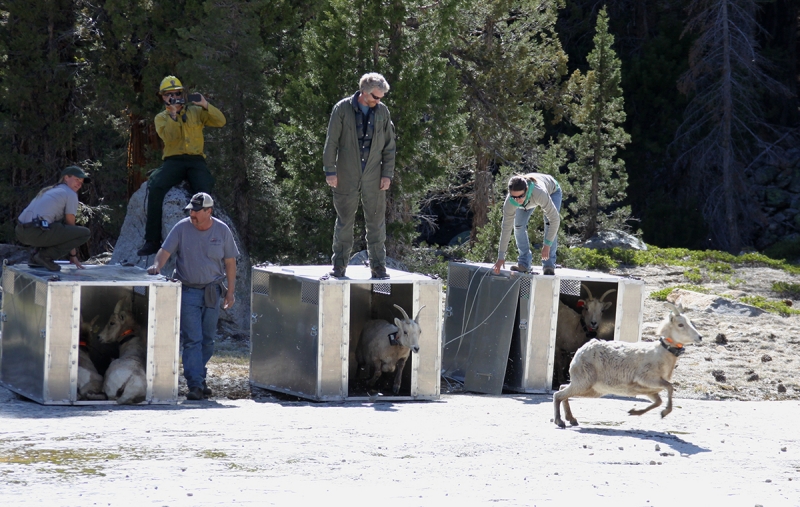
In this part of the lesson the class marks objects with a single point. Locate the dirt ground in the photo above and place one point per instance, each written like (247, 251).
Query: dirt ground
(731, 439)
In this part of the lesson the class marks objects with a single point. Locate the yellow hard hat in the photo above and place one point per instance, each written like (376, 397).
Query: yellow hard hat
(170, 83)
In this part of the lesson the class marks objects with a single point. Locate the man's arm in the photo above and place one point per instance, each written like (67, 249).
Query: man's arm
(159, 262)
(331, 150)
(211, 116)
(230, 274)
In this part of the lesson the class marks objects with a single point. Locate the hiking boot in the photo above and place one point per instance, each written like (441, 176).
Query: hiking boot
(195, 394)
(207, 390)
(149, 248)
(380, 273)
(39, 260)
(519, 269)
(338, 271)
(31, 262)
(548, 270)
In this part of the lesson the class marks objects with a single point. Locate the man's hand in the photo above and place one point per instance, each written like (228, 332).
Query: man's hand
(152, 270)
(174, 109)
(500, 264)
(545, 252)
(385, 183)
(202, 102)
(229, 300)
(332, 181)
(74, 259)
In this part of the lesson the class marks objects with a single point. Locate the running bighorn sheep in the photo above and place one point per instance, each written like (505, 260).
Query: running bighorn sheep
(574, 329)
(385, 347)
(628, 369)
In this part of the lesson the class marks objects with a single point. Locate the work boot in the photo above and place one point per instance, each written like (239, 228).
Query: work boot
(548, 270)
(149, 248)
(195, 394)
(39, 260)
(380, 273)
(338, 271)
(519, 269)
(207, 390)
(31, 262)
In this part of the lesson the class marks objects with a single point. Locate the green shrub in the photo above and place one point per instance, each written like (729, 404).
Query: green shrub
(661, 295)
(787, 290)
(778, 307)
(788, 249)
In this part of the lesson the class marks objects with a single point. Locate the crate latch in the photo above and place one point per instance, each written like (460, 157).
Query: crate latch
(523, 324)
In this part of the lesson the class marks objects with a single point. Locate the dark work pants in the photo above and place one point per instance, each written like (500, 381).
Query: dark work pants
(173, 171)
(56, 241)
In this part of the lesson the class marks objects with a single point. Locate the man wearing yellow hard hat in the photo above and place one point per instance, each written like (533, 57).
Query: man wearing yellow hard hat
(180, 127)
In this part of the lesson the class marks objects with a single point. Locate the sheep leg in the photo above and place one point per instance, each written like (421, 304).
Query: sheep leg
(376, 373)
(560, 397)
(656, 399)
(398, 375)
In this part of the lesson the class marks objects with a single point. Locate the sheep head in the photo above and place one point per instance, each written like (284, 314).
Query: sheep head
(678, 327)
(408, 330)
(119, 322)
(592, 309)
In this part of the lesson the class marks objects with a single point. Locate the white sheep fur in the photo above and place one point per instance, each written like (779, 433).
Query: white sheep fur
(628, 369)
(570, 333)
(125, 379)
(376, 355)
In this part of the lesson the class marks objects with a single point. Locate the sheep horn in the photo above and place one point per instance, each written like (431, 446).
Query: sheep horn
(606, 294)
(587, 290)
(416, 319)
(405, 315)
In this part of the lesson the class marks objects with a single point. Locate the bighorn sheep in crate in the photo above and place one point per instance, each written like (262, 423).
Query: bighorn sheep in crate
(125, 379)
(573, 329)
(385, 347)
(628, 369)
(90, 382)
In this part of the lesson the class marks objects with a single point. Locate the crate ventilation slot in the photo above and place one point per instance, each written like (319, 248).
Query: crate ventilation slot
(8, 281)
(309, 293)
(140, 289)
(571, 287)
(382, 288)
(260, 282)
(525, 288)
(41, 294)
(459, 278)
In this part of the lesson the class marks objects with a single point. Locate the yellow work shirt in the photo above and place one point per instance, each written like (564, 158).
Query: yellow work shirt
(185, 137)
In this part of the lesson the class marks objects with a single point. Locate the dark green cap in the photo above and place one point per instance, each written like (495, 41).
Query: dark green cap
(74, 170)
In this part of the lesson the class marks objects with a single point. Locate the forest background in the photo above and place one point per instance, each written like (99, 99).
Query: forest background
(677, 120)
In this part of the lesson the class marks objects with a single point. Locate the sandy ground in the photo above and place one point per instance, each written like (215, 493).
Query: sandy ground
(461, 450)
(722, 445)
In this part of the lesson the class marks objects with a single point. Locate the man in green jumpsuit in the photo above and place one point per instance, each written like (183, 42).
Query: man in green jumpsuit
(359, 162)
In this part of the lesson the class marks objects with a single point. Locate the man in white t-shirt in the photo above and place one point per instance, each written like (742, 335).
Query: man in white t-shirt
(205, 259)
(48, 223)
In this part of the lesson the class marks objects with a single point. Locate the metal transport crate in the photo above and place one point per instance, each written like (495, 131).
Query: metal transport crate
(41, 313)
(305, 327)
(500, 330)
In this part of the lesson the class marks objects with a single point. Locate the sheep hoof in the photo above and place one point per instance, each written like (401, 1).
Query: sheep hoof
(561, 424)
(573, 422)
(633, 411)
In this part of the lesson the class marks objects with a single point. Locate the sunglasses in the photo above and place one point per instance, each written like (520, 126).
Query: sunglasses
(376, 97)
(173, 94)
(517, 197)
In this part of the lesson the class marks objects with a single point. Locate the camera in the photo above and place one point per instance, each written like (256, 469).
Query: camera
(176, 100)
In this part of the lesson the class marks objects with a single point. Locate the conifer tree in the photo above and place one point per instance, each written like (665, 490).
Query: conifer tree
(723, 123)
(39, 107)
(597, 179)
